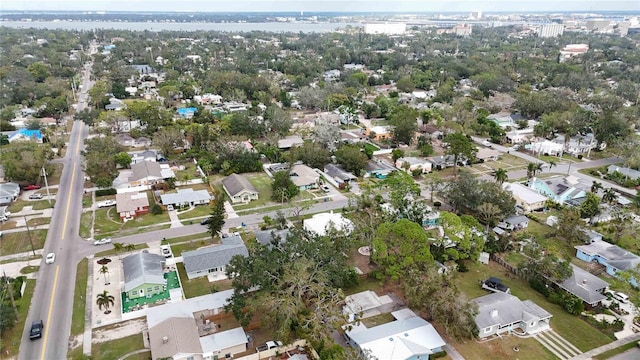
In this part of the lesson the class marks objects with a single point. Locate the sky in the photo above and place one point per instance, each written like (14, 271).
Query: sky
(324, 5)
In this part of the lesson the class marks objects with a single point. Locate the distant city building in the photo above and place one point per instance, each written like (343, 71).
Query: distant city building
(462, 30)
(476, 15)
(551, 30)
(387, 29)
(572, 50)
(598, 24)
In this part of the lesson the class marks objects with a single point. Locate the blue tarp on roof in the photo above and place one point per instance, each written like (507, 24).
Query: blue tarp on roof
(32, 134)
(185, 111)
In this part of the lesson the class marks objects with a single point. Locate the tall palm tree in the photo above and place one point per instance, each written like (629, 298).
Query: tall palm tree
(104, 271)
(104, 300)
(117, 246)
(531, 170)
(552, 163)
(609, 196)
(489, 213)
(595, 186)
(500, 175)
(538, 167)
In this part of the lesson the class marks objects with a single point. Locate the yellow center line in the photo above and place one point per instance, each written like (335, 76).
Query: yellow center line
(73, 177)
(46, 325)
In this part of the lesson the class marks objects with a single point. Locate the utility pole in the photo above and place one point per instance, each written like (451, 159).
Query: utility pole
(10, 288)
(46, 184)
(29, 234)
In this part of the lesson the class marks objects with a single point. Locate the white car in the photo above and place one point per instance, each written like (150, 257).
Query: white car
(269, 345)
(621, 297)
(487, 143)
(104, 241)
(166, 251)
(50, 259)
(106, 203)
(325, 188)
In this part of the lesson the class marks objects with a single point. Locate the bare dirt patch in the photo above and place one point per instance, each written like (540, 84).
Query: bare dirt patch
(119, 330)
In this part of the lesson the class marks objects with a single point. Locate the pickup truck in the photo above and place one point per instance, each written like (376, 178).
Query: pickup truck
(269, 345)
(106, 203)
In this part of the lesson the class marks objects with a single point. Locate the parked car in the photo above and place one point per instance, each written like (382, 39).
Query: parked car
(31, 187)
(621, 297)
(166, 251)
(50, 259)
(487, 143)
(106, 203)
(104, 241)
(494, 284)
(269, 345)
(36, 330)
(205, 221)
(325, 188)
(35, 196)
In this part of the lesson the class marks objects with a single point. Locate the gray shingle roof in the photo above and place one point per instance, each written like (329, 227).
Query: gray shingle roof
(146, 168)
(143, 268)
(234, 184)
(338, 172)
(504, 309)
(214, 256)
(185, 196)
(584, 285)
(265, 237)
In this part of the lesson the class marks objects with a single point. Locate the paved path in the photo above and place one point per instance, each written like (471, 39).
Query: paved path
(604, 348)
(175, 220)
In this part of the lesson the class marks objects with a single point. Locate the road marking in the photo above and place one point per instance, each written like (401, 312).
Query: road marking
(73, 177)
(46, 327)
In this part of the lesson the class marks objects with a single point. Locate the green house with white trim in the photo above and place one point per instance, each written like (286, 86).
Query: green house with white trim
(144, 275)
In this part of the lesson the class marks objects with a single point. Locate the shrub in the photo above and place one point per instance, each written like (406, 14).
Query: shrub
(539, 285)
(103, 192)
(439, 354)
(156, 209)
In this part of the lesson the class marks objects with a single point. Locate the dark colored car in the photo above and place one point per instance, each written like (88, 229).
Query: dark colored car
(36, 330)
(31, 187)
(493, 283)
(205, 221)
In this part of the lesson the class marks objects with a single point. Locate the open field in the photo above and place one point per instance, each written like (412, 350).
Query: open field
(18, 242)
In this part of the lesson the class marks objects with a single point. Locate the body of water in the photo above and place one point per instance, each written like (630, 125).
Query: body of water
(170, 26)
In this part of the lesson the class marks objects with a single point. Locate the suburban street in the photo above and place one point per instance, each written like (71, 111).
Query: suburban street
(52, 301)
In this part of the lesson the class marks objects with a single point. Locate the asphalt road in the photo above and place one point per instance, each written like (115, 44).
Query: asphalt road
(52, 301)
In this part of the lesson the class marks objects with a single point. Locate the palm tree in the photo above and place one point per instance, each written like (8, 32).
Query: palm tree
(104, 271)
(489, 213)
(129, 247)
(552, 163)
(531, 170)
(609, 196)
(537, 168)
(118, 247)
(500, 175)
(595, 186)
(104, 300)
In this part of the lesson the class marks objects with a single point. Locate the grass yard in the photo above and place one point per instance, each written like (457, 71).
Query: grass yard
(378, 320)
(502, 348)
(365, 283)
(140, 356)
(79, 302)
(512, 160)
(86, 221)
(11, 338)
(181, 239)
(368, 146)
(38, 221)
(14, 243)
(146, 220)
(107, 221)
(17, 205)
(572, 328)
(262, 183)
(115, 349)
(29, 269)
(616, 351)
(196, 212)
(193, 244)
(42, 204)
(199, 286)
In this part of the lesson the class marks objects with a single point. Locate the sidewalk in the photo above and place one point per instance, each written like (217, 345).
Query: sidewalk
(604, 348)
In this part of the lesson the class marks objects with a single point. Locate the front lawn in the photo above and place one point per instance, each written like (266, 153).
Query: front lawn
(11, 338)
(196, 212)
(79, 302)
(147, 220)
(42, 204)
(38, 221)
(572, 328)
(199, 286)
(262, 183)
(503, 348)
(115, 349)
(18, 242)
(107, 221)
(86, 221)
(193, 244)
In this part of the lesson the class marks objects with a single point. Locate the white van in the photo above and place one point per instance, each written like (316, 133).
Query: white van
(621, 297)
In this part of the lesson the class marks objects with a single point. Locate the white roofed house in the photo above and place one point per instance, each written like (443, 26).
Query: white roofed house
(485, 154)
(410, 164)
(130, 205)
(323, 223)
(149, 173)
(527, 199)
(186, 197)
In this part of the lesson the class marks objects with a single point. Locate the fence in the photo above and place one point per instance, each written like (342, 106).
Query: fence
(271, 354)
(517, 272)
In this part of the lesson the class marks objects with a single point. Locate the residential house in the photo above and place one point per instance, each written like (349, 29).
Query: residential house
(321, 224)
(142, 142)
(366, 304)
(130, 205)
(441, 162)
(500, 313)
(527, 200)
(352, 137)
(338, 174)
(411, 164)
(408, 337)
(212, 260)
(289, 142)
(546, 147)
(125, 140)
(149, 173)
(379, 168)
(332, 75)
(114, 105)
(430, 130)
(9, 192)
(147, 155)
(560, 189)
(514, 223)
(379, 133)
(186, 112)
(627, 172)
(186, 197)
(505, 118)
(586, 286)
(577, 144)
(304, 177)
(25, 135)
(143, 275)
(614, 258)
(239, 189)
(267, 237)
(183, 330)
(485, 154)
